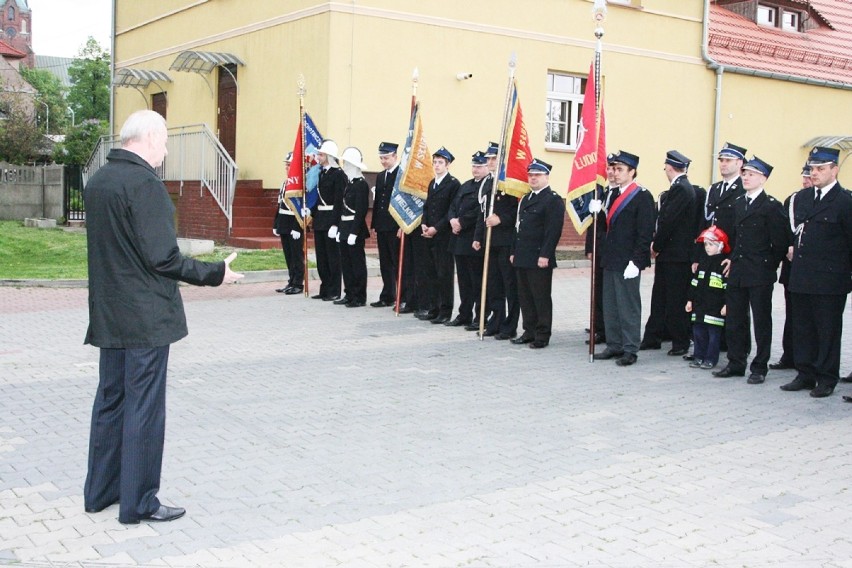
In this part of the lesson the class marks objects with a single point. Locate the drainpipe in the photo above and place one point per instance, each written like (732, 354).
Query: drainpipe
(112, 72)
(720, 70)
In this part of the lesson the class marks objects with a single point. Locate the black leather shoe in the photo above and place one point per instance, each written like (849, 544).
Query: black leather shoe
(846, 379)
(282, 290)
(380, 304)
(472, 326)
(539, 344)
(727, 372)
(781, 365)
(293, 290)
(504, 336)
(405, 309)
(689, 357)
(355, 304)
(822, 391)
(522, 340)
(608, 354)
(626, 360)
(457, 322)
(646, 345)
(798, 384)
(600, 338)
(441, 320)
(342, 301)
(162, 515)
(318, 297)
(99, 509)
(677, 352)
(426, 315)
(330, 298)
(756, 379)
(489, 333)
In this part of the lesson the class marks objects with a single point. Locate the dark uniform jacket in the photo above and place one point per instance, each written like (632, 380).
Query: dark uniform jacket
(382, 220)
(707, 292)
(540, 220)
(822, 253)
(600, 226)
(284, 222)
(720, 211)
(675, 235)
(466, 208)
(356, 200)
(332, 182)
(437, 206)
(134, 261)
(506, 208)
(629, 235)
(762, 238)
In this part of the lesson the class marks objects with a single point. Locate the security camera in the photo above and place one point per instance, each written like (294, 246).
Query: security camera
(463, 76)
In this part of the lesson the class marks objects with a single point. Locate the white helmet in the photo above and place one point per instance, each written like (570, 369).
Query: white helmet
(353, 156)
(328, 147)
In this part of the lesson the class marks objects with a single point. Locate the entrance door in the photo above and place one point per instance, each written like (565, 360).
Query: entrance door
(227, 123)
(158, 103)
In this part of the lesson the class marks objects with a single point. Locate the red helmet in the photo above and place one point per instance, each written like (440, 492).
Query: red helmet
(714, 233)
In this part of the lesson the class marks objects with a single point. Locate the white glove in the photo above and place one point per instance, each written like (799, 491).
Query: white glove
(337, 237)
(295, 235)
(306, 212)
(630, 271)
(595, 205)
(275, 232)
(332, 232)
(351, 240)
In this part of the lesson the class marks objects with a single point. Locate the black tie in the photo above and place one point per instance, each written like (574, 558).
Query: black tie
(818, 194)
(724, 189)
(748, 202)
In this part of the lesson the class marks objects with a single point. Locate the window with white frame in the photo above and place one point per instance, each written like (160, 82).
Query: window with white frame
(767, 15)
(563, 110)
(791, 20)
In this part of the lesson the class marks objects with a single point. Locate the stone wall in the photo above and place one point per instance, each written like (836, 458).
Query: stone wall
(30, 191)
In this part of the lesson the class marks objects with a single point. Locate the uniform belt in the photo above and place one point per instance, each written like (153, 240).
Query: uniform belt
(325, 207)
(285, 211)
(347, 217)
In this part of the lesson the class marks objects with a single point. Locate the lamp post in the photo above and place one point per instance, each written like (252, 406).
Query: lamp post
(73, 115)
(47, 116)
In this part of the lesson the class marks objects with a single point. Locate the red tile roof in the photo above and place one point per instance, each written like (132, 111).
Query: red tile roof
(821, 53)
(7, 50)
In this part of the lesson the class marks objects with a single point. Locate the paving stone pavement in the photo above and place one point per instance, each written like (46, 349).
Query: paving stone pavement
(305, 434)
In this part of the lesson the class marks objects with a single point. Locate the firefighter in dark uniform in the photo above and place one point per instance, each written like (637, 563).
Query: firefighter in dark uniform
(353, 230)
(385, 225)
(672, 248)
(541, 214)
(464, 209)
(762, 239)
(720, 198)
(436, 231)
(326, 216)
(820, 274)
(502, 293)
(599, 212)
(626, 252)
(287, 228)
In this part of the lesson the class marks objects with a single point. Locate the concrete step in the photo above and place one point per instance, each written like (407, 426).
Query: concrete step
(269, 242)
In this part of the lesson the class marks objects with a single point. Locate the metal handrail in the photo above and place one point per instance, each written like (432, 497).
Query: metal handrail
(194, 153)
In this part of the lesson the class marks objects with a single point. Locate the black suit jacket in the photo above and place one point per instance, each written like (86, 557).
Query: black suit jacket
(466, 208)
(822, 254)
(720, 211)
(332, 182)
(356, 200)
(629, 236)
(675, 235)
(540, 221)
(382, 220)
(762, 239)
(437, 206)
(506, 208)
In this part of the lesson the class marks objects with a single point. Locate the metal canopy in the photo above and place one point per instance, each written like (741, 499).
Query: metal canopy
(204, 62)
(139, 78)
(842, 142)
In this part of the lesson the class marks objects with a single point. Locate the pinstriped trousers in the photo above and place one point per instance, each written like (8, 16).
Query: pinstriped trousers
(127, 432)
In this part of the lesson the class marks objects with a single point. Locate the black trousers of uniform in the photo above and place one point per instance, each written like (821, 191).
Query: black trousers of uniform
(534, 295)
(787, 349)
(469, 269)
(353, 261)
(294, 257)
(410, 271)
(738, 300)
(818, 328)
(598, 313)
(128, 432)
(669, 294)
(422, 262)
(439, 272)
(502, 292)
(388, 245)
(328, 264)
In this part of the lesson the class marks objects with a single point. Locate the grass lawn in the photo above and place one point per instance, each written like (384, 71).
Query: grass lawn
(53, 254)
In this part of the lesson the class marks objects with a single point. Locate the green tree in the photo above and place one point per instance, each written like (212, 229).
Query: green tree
(89, 93)
(79, 142)
(21, 141)
(51, 92)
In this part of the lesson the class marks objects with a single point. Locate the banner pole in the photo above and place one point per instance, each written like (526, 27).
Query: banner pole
(306, 270)
(414, 78)
(599, 14)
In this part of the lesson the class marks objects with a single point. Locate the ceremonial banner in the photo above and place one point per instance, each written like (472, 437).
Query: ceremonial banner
(418, 172)
(517, 154)
(293, 189)
(588, 174)
(405, 208)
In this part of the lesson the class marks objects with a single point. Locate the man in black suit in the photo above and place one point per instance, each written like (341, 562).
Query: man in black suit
(626, 251)
(287, 228)
(385, 225)
(135, 314)
(353, 230)
(720, 198)
(820, 274)
(541, 214)
(599, 231)
(672, 248)
(464, 209)
(762, 239)
(326, 215)
(502, 306)
(436, 231)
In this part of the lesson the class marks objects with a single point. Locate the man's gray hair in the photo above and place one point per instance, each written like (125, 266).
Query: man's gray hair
(140, 124)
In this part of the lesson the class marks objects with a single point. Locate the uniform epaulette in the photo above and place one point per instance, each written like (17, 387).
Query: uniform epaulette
(771, 198)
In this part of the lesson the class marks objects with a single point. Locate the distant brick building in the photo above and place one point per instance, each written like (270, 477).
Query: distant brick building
(17, 28)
